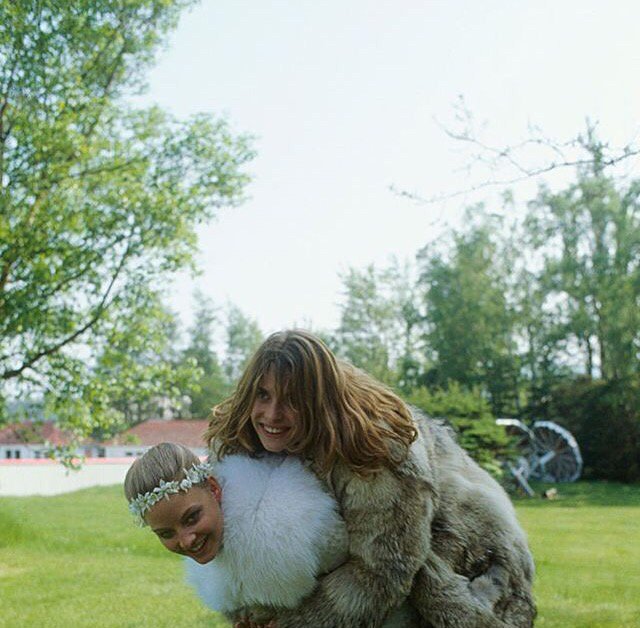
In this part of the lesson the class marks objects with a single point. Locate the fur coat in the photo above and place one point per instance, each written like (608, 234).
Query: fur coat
(436, 528)
(281, 530)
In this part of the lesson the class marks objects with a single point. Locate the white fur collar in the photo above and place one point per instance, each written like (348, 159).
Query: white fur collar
(277, 520)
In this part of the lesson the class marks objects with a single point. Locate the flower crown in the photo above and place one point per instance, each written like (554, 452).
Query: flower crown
(143, 502)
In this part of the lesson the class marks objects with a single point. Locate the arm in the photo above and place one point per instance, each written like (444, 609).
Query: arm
(387, 520)
(474, 530)
(445, 598)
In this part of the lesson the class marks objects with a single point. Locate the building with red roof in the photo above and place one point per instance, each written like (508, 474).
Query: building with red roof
(30, 439)
(137, 439)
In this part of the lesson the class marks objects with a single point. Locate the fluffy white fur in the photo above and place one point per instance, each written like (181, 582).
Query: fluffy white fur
(281, 530)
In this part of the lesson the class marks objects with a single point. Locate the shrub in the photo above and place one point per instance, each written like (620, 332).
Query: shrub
(469, 415)
(604, 417)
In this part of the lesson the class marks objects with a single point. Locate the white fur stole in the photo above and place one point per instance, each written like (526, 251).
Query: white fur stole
(277, 522)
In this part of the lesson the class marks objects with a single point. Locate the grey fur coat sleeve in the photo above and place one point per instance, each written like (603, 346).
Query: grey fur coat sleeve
(479, 572)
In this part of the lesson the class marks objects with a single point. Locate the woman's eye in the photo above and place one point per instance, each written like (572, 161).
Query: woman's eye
(165, 536)
(193, 517)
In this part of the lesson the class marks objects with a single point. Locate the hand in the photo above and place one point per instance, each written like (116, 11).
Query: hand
(490, 586)
(256, 617)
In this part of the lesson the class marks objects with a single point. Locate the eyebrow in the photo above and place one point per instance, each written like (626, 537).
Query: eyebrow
(189, 511)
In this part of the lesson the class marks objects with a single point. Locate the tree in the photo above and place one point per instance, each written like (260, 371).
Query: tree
(380, 324)
(211, 386)
(99, 202)
(501, 166)
(139, 374)
(410, 352)
(589, 235)
(470, 323)
(243, 338)
(540, 335)
(369, 334)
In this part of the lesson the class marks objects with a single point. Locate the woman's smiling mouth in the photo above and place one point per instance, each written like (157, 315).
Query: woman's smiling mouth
(273, 431)
(196, 549)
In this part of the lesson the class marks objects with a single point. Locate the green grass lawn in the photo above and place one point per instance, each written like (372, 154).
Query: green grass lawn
(586, 545)
(77, 560)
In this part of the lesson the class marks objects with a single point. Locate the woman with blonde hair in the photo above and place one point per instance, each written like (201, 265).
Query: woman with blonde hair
(423, 520)
(258, 531)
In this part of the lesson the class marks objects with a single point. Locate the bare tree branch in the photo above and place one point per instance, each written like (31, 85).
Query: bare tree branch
(514, 156)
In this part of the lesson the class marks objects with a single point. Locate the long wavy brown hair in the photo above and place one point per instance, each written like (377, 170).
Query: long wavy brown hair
(344, 414)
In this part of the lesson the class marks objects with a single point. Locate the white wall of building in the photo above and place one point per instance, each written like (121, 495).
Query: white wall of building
(46, 477)
(19, 451)
(124, 451)
(40, 450)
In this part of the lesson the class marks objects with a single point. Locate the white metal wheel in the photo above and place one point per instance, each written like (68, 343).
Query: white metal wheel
(557, 455)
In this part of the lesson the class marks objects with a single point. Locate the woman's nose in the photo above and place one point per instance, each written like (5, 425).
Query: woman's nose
(272, 411)
(186, 539)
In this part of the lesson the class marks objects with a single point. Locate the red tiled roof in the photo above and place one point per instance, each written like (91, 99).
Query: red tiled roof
(33, 433)
(188, 432)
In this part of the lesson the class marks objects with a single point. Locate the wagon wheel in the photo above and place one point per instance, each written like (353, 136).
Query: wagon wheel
(523, 436)
(520, 468)
(557, 455)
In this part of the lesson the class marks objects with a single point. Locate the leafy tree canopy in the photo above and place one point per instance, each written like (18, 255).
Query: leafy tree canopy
(378, 323)
(469, 321)
(99, 201)
(589, 236)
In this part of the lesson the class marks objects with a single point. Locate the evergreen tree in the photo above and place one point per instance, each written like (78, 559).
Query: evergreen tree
(243, 338)
(211, 386)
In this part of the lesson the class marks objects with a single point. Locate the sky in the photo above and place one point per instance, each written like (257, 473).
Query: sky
(348, 98)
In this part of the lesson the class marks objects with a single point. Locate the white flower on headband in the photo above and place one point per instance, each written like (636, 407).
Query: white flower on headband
(143, 502)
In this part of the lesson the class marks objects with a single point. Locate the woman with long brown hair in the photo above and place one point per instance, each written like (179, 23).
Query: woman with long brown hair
(424, 521)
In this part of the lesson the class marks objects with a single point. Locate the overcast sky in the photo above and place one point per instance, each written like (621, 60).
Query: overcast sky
(343, 98)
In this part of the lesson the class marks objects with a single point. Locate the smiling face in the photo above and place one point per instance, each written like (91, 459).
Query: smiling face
(190, 523)
(272, 418)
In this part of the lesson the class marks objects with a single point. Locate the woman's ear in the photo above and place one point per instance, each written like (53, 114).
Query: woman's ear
(216, 489)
